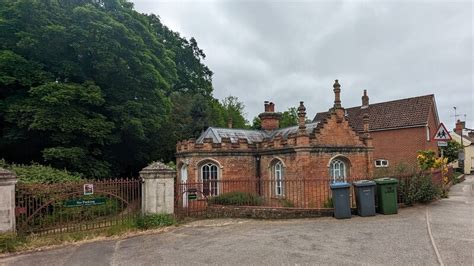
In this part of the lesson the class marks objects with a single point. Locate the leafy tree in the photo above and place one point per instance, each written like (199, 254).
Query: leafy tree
(233, 109)
(451, 151)
(256, 123)
(64, 114)
(289, 118)
(95, 87)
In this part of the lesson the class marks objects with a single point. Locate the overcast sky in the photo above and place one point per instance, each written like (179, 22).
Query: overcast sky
(287, 51)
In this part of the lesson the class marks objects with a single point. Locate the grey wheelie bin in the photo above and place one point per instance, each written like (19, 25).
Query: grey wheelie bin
(341, 200)
(365, 197)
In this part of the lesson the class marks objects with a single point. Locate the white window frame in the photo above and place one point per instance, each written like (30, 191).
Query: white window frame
(278, 178)
(210, 175)
(379, 163)
(338, 170)
(428, 134)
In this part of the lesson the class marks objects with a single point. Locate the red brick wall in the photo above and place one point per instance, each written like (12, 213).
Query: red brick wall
(230, 167)
(401, 145)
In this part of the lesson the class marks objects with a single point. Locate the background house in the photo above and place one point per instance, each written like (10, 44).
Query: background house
(468, 144)
(398, 128)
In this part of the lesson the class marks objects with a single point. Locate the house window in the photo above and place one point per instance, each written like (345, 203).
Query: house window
(381, 163)
(209, 177)
(338, 171)
(278, 178)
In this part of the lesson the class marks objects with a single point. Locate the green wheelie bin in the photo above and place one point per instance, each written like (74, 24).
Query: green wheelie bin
(387, 195)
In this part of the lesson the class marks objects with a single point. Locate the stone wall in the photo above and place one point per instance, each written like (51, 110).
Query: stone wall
(219, 211)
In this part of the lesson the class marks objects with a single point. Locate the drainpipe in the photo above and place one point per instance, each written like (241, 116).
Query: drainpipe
(258, 174)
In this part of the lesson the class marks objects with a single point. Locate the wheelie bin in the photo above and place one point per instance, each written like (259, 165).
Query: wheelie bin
(341, 200)
(365, 197)
(387, 195)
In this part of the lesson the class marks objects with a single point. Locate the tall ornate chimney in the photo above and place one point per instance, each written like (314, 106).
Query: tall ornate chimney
(302, 117)
(365, 100)
(337, 94)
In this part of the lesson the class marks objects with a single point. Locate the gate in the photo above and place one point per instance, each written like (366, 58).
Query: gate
(76, 206)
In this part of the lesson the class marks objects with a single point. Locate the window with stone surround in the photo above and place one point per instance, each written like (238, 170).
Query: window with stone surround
(278, 178)
(209, 178)
(338, 170)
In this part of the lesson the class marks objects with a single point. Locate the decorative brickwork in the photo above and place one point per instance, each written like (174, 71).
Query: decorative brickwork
(305, 150)
(397, 129)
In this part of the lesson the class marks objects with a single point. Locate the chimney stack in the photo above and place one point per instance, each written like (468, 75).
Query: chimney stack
(270, 119)
(229, 122)
(460, 125)
(365, 100)
(337, 94)
(302, 117)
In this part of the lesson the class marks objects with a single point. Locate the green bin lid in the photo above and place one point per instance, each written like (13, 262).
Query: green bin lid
(364, 183)
(386, 180)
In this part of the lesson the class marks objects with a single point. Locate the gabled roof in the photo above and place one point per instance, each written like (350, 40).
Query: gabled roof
(403, 113)
(252, 136)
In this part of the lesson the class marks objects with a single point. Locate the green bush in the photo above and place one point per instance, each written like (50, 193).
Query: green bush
(36, 173)
(419, 189)
(10, 241)
(237, 198)
(149, 221)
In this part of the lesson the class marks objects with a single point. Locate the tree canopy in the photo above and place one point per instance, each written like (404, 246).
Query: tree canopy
(96, 88)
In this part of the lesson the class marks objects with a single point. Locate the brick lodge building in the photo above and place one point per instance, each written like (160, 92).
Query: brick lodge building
(280, 163)
(298, 162)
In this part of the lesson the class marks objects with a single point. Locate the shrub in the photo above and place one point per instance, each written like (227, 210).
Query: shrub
(419, 189)
(10, 241)
(148, 221)
(237, 198)
(36, 173)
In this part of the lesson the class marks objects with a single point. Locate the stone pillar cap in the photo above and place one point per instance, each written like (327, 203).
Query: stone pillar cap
(157, 167)
(6, 175)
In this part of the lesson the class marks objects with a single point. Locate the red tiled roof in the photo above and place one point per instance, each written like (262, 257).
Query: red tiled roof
(410, 112)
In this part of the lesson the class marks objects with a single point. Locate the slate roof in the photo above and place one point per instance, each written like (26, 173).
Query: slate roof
(403, 113)
(252, 136)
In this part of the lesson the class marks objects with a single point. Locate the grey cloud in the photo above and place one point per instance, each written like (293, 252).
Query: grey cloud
(287, 51)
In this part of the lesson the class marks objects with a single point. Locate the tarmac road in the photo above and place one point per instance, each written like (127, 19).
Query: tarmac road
(392, 239)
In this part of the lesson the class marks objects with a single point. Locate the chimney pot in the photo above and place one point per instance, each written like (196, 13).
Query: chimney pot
(460, 125)
(365, 100)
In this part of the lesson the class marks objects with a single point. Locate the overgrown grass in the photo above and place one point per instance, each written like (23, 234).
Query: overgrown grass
(237, 198)
(155, 220)
(12, 242)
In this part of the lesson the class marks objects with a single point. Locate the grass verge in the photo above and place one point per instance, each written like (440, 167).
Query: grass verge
(12, 242)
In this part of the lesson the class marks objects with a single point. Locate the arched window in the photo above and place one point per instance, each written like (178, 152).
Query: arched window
(338, 170)
(184, 173)
(209, 177)
(278, 178)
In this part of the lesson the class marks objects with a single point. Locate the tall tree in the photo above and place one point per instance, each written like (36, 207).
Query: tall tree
(94, 86)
